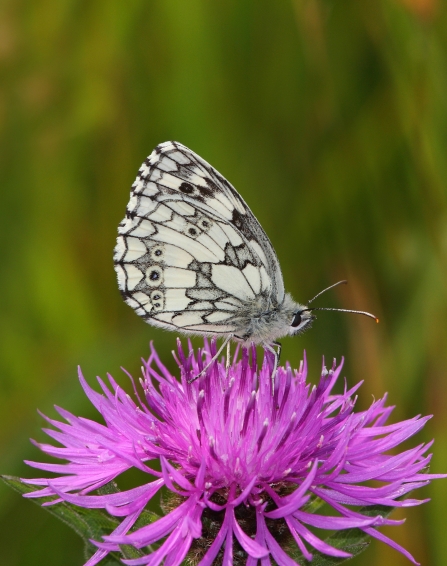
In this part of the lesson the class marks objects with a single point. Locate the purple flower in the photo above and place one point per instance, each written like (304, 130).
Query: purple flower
(243, 465)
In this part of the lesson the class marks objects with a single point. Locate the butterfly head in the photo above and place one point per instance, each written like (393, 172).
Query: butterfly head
(302, 320)
(303, 317)
(300, 317)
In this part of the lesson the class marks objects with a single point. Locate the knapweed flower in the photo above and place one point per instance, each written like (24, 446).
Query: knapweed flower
(242, 460)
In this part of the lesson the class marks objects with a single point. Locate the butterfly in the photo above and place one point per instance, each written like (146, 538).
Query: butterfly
(191, 257)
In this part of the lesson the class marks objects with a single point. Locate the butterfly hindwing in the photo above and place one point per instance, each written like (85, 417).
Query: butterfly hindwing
(190, 254)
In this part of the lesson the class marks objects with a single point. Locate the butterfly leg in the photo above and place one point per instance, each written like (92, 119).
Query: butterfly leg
(227, 366)
(213, 359)
(279, 348)
(277, 354)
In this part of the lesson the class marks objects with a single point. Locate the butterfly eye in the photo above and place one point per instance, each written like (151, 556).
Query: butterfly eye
(296, 320)
(204, 224)
(157, 253)
(157, 300)
(154, 276)
(192, 230)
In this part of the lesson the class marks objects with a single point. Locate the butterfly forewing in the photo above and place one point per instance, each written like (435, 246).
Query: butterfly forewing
(190, 254)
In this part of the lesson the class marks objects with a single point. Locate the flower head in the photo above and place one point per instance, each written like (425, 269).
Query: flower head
(241, 462)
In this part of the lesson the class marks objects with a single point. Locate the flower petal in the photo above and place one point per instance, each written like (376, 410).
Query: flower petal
(155, 531)
(251, 547)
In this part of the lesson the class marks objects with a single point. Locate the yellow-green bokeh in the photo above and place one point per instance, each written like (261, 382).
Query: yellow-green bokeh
(329, 117)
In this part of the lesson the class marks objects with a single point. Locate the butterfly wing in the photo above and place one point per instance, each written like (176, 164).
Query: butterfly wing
(190, 254)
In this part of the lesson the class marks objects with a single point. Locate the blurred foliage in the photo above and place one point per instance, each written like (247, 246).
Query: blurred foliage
(329, 117)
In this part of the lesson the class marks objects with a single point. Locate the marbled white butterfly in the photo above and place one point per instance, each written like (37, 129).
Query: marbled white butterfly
(192, 257)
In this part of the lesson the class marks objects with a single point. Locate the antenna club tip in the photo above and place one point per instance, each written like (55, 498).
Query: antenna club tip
(377, 320)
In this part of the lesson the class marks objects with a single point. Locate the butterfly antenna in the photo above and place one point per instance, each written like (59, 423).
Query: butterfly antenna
(344, 282)
(343, 310)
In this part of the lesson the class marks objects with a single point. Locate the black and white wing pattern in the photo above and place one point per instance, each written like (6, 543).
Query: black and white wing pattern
(190, 254)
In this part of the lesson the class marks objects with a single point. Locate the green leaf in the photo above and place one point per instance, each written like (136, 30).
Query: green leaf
(313, 504)
(95, 523)
(88, 523)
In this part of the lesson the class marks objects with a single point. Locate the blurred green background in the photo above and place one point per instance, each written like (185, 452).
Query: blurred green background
(329, 117)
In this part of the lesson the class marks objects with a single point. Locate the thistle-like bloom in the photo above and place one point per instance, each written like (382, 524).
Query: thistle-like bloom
(243, 465)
